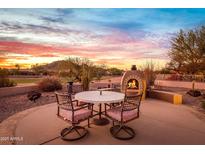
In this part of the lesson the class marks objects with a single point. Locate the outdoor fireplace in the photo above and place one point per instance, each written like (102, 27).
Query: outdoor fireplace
(131, 81)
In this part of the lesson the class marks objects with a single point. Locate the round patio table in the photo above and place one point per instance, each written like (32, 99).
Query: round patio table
(99, 97)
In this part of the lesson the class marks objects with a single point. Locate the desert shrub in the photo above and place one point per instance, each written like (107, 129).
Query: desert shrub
(115, 71)
(149, 73)
(50, 84)
(4, 80)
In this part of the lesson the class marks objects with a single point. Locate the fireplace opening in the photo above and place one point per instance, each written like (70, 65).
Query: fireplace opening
(132, 84)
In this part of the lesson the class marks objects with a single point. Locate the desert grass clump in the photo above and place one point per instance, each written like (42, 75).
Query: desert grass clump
(49, 84)
(4, 80)
(149, 73)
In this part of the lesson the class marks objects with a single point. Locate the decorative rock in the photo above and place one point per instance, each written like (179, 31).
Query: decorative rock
(194, 93)
(33, 95)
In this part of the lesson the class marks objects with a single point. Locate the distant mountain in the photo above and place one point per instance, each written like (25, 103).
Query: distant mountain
(53, 66)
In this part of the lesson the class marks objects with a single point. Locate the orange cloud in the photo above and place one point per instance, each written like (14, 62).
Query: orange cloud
(107, 52)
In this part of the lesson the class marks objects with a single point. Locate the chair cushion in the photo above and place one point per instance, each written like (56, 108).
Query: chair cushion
(115, 113)
(81, 114)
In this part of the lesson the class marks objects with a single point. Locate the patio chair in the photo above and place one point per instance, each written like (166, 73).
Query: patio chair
(123, 113)
(68, 110)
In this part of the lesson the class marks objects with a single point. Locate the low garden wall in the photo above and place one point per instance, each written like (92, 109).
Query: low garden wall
(166, 96)
(180, 77)
(179, 84)
(10, 91)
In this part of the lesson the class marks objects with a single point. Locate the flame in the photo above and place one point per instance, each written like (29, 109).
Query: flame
(132, 84)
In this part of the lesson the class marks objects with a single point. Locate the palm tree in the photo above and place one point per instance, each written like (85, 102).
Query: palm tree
(17, 66)
(17, 69)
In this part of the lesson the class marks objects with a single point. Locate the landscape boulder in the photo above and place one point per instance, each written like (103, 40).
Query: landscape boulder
(33, 95)
(194, 93)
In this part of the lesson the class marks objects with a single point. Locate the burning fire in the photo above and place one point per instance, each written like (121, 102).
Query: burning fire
(132, 84)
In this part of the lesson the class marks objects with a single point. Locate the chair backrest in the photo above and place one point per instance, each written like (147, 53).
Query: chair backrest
(132, 102)
(64, 100)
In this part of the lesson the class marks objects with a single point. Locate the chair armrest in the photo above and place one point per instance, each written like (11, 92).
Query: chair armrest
(65, 102)
(74, 100)
(111, 104)
(84, 106)
(62, 106)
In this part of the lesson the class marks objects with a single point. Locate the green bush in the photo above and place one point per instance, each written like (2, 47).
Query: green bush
(50, 84)
(4, 80)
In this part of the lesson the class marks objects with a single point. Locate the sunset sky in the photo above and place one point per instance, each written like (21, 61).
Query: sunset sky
(115, 37)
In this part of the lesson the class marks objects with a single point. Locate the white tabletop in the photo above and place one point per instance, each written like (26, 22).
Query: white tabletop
(96, 98)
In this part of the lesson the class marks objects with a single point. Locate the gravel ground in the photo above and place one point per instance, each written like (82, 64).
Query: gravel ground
(13, 104)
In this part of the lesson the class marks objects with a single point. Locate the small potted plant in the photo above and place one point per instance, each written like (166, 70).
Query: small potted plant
(109, 83)
(70, 81)
(194, 92)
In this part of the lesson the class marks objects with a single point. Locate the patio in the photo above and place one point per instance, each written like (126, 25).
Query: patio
(159, 123)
